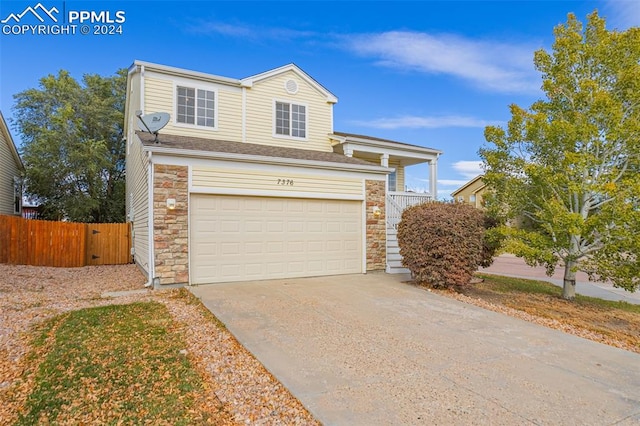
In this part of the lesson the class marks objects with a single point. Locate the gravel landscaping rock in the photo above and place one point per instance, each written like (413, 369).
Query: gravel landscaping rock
(30, 295)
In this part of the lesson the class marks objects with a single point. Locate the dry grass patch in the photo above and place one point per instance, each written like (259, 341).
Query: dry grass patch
(120, 364)
(217, 375)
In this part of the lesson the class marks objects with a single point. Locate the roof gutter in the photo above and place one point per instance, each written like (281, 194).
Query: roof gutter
(186, 73)
(244, 158)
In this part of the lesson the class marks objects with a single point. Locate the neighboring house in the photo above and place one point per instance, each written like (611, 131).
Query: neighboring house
(11, 173)
(30, 211)
(471, 192)
(250, 181)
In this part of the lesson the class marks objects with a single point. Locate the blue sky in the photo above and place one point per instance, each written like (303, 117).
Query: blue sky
(427, 73)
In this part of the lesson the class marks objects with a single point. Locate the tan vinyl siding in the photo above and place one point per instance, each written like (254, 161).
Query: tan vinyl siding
(159, 96)
(8, 170)
(400, 177)
(260, 113)
(137, 198)
(284, 182)
(475, 189)
(133, 104)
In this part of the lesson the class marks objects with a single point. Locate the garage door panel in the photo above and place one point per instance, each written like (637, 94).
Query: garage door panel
(295, 246)
(275, 226)
(229, 205)
(240, 238)
(253, 248)
(293, 226)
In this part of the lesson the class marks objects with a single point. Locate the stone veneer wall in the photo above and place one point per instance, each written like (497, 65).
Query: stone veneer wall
(376, 226)
(171, 227)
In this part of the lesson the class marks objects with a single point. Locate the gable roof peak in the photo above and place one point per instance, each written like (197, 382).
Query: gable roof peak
(249, 81)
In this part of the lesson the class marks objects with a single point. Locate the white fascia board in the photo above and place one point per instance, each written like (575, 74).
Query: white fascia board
(133, 68)
(385, 144)
(164, 69)
(249, 81)
(336, 140)
(391, 151)
(192, 162)
(244, 158)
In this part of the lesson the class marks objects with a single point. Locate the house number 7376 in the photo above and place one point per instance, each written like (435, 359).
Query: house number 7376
(288, 182)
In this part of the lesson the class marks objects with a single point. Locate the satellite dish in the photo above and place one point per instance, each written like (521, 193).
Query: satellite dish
(153, 122)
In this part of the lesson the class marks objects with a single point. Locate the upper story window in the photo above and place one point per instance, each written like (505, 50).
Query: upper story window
(195, 106)
(291, 120)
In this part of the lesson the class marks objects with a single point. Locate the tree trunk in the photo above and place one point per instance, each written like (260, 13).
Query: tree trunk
(569, 287)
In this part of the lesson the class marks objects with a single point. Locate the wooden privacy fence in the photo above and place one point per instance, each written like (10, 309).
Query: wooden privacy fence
(65, 244)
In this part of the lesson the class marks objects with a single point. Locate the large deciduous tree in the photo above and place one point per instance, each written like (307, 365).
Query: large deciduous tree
(73, 148)
(567, 170)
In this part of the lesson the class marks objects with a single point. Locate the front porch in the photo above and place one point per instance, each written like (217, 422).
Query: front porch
(396, 203)
(397, 156)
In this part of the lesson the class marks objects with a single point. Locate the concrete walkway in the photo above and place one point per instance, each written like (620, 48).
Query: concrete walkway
(371, 350)
(511, 266)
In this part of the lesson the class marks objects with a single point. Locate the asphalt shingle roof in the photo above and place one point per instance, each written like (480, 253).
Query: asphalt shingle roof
(216, 145)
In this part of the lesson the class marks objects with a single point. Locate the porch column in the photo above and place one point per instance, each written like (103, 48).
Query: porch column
(433, 178)
(384, 160)
(347, 150)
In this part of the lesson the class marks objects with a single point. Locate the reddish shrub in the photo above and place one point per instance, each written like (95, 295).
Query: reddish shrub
(442, 244)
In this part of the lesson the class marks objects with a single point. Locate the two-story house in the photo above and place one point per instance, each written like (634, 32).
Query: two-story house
(471, 192)
(11, 173)
(249, 180)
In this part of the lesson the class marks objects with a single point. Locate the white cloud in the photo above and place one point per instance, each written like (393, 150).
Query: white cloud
(255, 33)
(622, 14)
(468, 169)
(213, 27)
(490, 65)
(415, 122)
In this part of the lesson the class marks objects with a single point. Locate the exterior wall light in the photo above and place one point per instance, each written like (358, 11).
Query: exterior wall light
(171, 203)
(376, 211)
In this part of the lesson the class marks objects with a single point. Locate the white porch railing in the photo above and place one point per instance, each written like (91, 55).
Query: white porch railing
(397, 202)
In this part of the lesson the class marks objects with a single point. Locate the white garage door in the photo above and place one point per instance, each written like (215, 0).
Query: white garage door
(250, 238)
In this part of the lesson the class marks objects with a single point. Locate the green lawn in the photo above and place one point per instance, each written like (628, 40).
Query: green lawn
(506, 285)
(118, 364)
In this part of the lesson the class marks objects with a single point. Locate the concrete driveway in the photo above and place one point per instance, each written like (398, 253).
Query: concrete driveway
(371, 350)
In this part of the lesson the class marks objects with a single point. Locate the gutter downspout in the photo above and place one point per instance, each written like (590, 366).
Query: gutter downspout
(150, 197)
(244, 114)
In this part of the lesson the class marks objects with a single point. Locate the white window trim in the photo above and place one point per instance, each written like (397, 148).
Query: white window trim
(306, 118)
(190, 85)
